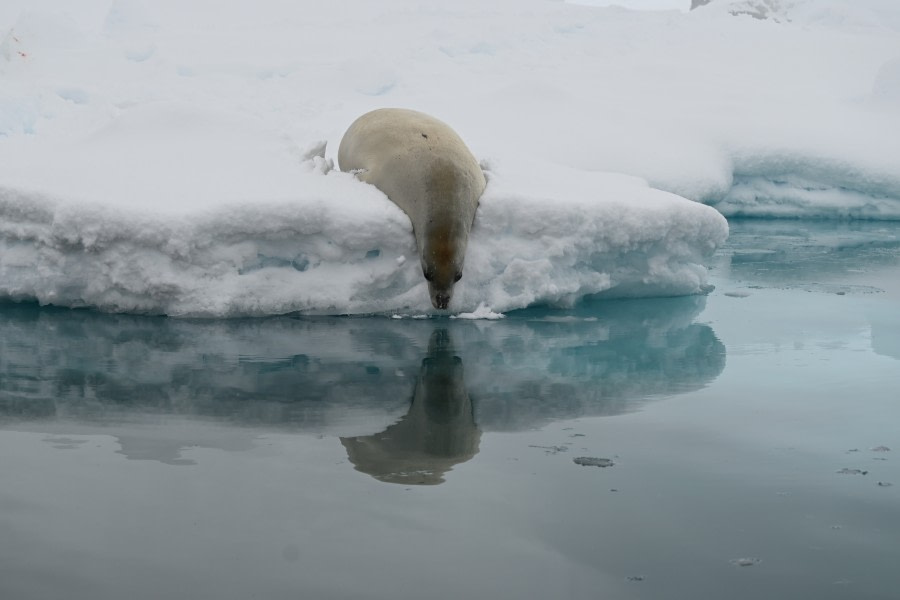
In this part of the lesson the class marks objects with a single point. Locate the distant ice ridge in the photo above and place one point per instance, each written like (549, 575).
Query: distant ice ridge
(830, 13)
(798, 186)
(793, 196)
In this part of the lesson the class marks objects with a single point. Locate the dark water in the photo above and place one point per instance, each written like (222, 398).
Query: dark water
(749, 438)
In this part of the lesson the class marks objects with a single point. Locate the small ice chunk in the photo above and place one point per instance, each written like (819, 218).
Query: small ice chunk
(550, 449)
(482, 312)
(846, 471)
(593, 461)
(745, 562)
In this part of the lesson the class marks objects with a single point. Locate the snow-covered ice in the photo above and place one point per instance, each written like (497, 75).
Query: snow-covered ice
(168, 157)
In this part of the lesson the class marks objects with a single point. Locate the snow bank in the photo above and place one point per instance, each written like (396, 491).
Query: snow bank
(276, 232)
(167, 157)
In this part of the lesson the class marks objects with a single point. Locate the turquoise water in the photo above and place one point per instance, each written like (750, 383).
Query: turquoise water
(753, 436)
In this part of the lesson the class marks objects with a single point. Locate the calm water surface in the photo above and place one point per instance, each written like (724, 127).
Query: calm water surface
(754, 435)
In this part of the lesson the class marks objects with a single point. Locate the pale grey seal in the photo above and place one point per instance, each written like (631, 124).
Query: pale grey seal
(424, 167)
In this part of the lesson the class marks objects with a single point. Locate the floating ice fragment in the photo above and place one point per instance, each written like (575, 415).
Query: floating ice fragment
(592, 461)
(482, 312)
(885, 484)
(551, 449)
(745, 562)
(846, 471)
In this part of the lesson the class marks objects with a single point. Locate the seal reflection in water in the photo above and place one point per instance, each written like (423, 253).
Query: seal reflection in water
(424, 167)
(437, 433)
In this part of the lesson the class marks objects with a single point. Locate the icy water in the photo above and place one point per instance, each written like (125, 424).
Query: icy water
(740, 445)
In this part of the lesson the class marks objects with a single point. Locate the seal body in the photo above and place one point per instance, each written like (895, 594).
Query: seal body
(424, 167)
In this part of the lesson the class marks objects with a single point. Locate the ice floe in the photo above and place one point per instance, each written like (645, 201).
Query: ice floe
(158, 157)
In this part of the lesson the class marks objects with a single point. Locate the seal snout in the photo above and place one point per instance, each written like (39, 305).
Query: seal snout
(441, 300)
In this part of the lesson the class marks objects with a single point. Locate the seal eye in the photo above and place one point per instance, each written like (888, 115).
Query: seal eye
(429, 275)
(458, 276)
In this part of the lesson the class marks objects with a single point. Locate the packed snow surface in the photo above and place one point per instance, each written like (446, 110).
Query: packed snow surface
(177, 158)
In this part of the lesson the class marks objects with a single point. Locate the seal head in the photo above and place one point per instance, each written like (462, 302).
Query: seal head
(442, 268)
(445, 231)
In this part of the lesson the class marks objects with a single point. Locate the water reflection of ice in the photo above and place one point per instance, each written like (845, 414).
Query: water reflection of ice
(137, 377)
(822, 257)
(885, 333)
(815, 255)
(613, 356)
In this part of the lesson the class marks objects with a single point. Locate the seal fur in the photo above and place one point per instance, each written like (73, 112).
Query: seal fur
(424, 167)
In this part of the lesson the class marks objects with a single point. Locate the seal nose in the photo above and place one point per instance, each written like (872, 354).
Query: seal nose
(441, 300)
